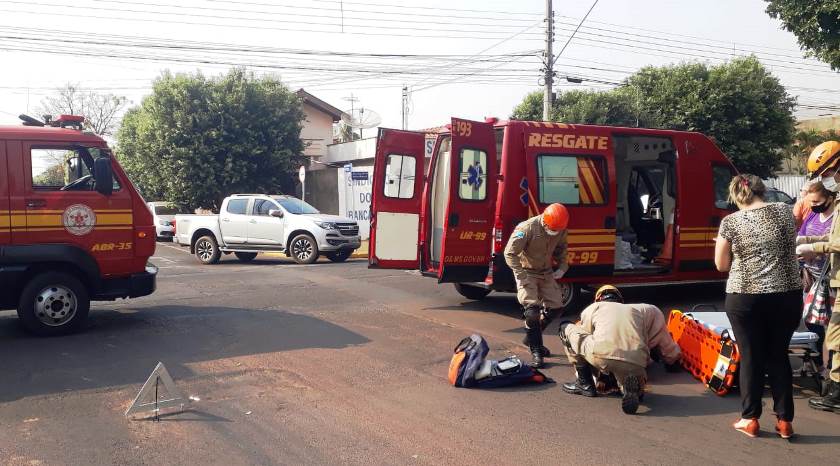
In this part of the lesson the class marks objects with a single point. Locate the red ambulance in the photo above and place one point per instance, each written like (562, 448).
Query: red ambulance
(644, 204)
(72, 226)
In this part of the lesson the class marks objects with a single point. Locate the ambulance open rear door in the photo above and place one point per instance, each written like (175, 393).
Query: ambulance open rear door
(467, 234)
(396, 198)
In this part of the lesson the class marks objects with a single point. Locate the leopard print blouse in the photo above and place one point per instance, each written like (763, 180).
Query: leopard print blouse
(763, 249)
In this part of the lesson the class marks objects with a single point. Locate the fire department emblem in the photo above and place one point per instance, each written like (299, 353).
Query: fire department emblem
(79, 219)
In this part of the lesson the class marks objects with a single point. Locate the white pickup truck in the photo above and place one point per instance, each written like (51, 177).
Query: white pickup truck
(252, 223)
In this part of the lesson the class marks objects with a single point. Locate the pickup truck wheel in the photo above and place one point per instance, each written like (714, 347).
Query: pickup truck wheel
(53, 303)
(471, 292)
(246, 256)
(339, 256)
(207, 250)
(304, 249)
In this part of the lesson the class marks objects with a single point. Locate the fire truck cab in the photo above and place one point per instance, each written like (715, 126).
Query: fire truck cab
(644, 204)
(72, 226)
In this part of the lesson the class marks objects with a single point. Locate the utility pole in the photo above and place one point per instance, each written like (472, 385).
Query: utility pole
(405, 107)
(548, 97)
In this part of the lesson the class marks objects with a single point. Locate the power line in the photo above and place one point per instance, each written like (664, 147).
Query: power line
(242, 26)
(391, 5)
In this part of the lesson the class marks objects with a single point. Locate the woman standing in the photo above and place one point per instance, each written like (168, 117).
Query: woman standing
(763, 298)
(819, 296)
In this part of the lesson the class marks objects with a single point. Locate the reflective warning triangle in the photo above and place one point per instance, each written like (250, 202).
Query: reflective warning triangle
(168, 396)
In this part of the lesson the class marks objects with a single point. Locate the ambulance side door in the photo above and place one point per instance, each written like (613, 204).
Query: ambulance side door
(468, 235)
(577, 169)
(704, 176)
(395, 200)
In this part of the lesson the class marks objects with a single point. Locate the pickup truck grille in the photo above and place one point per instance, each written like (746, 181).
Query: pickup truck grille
(348, 229)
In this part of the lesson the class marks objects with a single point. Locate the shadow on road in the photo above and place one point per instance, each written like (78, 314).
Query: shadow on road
(707, 404)
(666, 297)
(122, 348)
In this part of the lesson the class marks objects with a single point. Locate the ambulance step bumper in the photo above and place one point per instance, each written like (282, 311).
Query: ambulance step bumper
(133, 286)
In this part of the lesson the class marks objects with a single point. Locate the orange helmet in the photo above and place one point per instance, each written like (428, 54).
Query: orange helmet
(556, 217)
(823, 157)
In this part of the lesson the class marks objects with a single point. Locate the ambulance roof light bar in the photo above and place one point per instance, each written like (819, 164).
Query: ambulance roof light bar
(72, 121)
(29, 121)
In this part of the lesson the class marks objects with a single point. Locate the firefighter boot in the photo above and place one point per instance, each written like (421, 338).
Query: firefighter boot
(533, 335)
(584, 384)
(631, 394)
(829, 402)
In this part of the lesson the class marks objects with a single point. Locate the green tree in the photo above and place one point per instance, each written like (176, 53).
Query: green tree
(739, 104)
(796, 154)
(619, 107)
(816, 24)
(614, 108)
(530, 109)
(195, 140)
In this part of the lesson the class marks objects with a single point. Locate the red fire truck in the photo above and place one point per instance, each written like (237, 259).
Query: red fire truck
(72, 226)
(644, 204)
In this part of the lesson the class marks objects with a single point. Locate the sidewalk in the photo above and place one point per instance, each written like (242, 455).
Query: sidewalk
(362, 251)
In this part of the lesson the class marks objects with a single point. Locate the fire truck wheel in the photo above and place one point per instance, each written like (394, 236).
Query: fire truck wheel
(207, 250)
(246, 256)
(53, 303)
(572, 295)
(304, 249)
(471, 292)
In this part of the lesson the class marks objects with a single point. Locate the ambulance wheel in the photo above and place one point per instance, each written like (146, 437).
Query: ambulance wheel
(304, 249)
(246, 256)
(571, 295)
(53, 303)
(471, 292)
(207, 250)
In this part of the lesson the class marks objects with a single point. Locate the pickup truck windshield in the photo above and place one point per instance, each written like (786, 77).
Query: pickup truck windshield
(296, 206)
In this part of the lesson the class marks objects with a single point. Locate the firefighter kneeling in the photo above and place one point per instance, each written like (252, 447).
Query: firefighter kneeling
(534, 246)
(617, 339)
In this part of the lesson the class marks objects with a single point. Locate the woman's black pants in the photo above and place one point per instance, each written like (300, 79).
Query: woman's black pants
(763, 325)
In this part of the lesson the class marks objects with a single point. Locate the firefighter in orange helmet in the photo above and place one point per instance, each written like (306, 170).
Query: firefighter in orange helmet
(536, 252)
(824, 164)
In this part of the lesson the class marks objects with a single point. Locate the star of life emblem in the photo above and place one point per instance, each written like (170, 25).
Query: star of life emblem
(79, 219)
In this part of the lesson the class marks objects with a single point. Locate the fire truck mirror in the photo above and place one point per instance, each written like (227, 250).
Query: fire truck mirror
(104, 176)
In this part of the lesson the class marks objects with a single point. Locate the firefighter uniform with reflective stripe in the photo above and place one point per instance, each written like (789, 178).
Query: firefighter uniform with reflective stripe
(618, 338)
(530, 253)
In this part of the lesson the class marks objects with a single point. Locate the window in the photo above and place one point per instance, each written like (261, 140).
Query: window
(399, 176)
(262, 206)
(237, 206)
(295, 206)
(69, 169)
(721, 177)
(55, 168)
(571, 180)
(473, 175)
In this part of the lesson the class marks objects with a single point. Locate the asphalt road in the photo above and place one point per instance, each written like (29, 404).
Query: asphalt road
(338, 364)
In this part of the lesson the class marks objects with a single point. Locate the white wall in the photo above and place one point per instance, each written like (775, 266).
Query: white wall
(354, 198)
(351, 151)
(790, 184)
